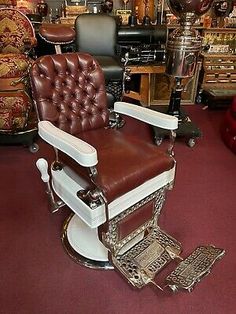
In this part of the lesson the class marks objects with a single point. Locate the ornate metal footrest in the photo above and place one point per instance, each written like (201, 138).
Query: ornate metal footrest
(194, 267)
(143, 261)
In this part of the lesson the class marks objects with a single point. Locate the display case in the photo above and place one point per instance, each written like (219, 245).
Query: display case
(219, 40)
(219, 59)
(218, 71)
(217, 81)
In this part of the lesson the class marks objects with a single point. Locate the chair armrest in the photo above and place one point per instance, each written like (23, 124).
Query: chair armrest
(147, 115)
(80, 151)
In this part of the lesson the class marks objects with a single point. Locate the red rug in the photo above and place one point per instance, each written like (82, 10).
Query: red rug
(36, 275)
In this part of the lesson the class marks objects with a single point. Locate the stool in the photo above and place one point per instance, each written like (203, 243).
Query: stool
(57, 35)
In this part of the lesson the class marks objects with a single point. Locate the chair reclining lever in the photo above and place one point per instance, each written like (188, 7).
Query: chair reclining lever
(93, 198)
(42, 166)
(93, 173)
(170, 149)
(115, 120)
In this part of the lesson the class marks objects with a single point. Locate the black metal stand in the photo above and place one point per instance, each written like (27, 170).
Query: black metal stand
(186, 129)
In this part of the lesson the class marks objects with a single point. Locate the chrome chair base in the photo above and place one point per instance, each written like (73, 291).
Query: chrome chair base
(140, 264)
(81, 243)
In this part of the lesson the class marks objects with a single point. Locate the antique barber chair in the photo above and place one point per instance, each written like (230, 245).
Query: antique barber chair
(183, 47)
(97, 34)
(114, 182)
(18, 124)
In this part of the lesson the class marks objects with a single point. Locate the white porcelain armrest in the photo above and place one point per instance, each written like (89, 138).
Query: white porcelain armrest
(80, 151)
(147, 115)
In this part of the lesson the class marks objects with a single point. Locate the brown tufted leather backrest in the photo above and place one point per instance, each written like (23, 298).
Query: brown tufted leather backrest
(69, 91)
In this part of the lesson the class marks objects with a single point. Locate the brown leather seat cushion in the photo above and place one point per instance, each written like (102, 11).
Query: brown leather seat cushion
(124, 161)
(57, 33)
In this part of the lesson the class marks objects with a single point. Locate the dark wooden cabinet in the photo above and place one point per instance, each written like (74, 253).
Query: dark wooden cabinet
(219, 63)
(218, 71)
(217, 81)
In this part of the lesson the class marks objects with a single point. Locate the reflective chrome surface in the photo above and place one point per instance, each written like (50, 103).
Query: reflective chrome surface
(184, 43)
(192, 269)
(181, 7)
(182, 52)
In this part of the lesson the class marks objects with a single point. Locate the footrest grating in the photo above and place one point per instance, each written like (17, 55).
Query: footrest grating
(144, 260)
(197, 265)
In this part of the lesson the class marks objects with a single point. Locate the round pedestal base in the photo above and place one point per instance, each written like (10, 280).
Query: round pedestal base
(83, 245)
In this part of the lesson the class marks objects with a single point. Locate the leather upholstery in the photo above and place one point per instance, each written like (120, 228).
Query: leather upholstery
(118, 175)
(228, 129)
(69, 92)
(111, 67)
(96, 34)
(57, 33)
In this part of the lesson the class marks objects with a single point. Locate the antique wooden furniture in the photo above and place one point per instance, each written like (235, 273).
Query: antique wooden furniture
(218, 71)
(145, 89)
(218, 75)
(218, 79)
(17, 119)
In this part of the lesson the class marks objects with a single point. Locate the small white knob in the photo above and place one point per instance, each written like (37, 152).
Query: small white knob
(42, 166)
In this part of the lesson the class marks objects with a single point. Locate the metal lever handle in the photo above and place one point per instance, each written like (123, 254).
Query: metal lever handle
(42, 166)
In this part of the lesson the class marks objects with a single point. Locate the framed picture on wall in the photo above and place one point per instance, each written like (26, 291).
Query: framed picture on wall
(124, 15)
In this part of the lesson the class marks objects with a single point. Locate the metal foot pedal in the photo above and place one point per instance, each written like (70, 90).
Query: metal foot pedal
(192, 269)
(144, 260)
(140, 264)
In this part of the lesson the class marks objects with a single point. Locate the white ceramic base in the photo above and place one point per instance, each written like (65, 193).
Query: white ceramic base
(83, 245)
